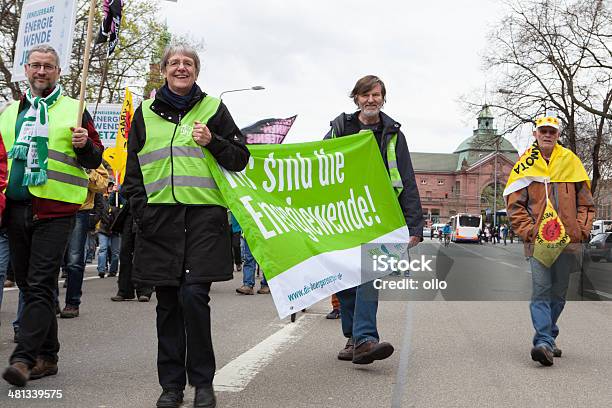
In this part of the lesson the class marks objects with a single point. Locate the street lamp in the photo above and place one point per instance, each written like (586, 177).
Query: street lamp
(253, 88)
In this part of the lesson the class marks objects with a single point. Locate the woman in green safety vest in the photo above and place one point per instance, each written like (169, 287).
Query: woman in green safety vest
(183, 240)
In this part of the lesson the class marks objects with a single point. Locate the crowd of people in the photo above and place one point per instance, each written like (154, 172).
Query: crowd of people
(166, 230)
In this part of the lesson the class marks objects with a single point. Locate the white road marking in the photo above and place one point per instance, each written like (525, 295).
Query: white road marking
(236, 375)
(510, 265)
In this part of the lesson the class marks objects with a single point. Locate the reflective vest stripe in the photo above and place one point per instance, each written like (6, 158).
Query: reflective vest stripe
(67, 178)
(394, 174)
(181, 181)
(64, 158)
(164, 153)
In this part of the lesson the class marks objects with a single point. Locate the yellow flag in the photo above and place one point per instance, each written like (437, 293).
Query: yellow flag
(552, 237)
(117, 156)
(564, 167)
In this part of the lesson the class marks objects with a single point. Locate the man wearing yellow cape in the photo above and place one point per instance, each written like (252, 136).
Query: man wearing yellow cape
(549, 202)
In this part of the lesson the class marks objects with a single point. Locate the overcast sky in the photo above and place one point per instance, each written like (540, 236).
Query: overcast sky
(309, 54)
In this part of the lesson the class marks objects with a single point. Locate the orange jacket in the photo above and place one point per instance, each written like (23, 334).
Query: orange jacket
(573, 202)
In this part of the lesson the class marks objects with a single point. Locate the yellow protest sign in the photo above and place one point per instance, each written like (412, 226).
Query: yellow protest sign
(551, 239)
(117, 156)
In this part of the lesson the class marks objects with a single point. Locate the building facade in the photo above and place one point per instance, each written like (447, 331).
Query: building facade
(465, 181)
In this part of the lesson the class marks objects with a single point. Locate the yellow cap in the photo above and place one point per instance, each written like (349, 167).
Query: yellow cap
(547, 121)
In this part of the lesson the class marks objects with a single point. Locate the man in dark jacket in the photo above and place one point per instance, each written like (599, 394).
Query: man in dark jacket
(183, 241)
(47, 185)
(360, 304)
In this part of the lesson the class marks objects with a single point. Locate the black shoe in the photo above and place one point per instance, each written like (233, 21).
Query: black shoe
(557, 352)
(334, 314)
(170, 399)
(101, 275)
(205, 397)
(143, 298)
(119, 298)
(112, 274)
(543, 355)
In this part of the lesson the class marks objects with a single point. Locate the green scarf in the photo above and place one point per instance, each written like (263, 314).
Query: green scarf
(32, 142)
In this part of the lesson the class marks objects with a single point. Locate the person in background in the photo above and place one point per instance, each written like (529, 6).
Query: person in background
(335, 312)
(248, 274)
(126, 288)
(75, 252)
(236, 250)
(4, 244)
(504, 232)
(107, 238)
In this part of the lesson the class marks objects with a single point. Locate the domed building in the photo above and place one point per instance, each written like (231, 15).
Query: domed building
(464, 181)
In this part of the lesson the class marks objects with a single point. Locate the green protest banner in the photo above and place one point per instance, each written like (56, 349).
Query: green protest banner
(307, 208)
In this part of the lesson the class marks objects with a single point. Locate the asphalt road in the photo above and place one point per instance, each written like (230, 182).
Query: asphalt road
(469, 353)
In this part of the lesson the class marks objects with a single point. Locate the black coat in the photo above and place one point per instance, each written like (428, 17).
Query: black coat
(180, 243)
(409, 199)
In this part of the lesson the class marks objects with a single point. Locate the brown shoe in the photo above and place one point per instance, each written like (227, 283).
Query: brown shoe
(9, 283)
(368, 352)
(17, 374)
(542, 355)
(43, 368)
(245, 290)
(69, 312)
(264, 290)
(346, 354)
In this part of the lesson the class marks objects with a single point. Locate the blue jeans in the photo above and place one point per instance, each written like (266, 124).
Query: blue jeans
(90, 246)
(115, 243)
(4, 260)
(20, 306)
(548, 298)
(248, 271)
(75, 259)
(359, 306)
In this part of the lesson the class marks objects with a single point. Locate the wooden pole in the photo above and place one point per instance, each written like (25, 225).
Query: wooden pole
(92, 11)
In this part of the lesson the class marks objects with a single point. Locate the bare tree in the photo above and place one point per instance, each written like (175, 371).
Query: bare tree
(555, 54)
(10, 10)
(128, 65)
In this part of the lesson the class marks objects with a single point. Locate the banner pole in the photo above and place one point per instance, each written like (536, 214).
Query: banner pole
(92, 10)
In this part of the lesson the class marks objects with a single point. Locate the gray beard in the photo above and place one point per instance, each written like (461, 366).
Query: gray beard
(38, 91)
(370, 114)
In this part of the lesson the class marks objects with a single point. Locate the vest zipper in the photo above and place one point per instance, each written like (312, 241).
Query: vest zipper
(172, 158)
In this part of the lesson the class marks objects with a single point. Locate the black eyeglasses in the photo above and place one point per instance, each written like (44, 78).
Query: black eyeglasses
(36, 67)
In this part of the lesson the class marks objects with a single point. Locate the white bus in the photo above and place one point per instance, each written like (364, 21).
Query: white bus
(465, 227)
(601, 226)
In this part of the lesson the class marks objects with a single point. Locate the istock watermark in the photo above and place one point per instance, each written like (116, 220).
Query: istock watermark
(392, 263)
